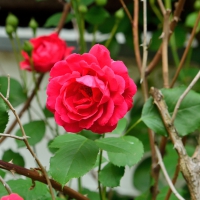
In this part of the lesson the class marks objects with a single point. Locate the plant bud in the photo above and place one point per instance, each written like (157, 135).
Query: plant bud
(197, 5)
(12, 20)
(82, 9)
(28, 47)
(9, 31)
(101, 2)
(33, 24)
(119, 14)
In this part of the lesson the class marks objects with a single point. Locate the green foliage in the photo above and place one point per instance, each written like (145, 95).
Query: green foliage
(86, 2)
(141, 176)
(190, 20)
(122, 151)
(111, 175)
(35, 130)
(188, 109)
(17, 95)
(22, 187)
(15, 157)
(76, 156)
(121, 126)
(54, 19)
(47, 113)
(96, 15)
(90, 194)
(3, 116)
(2, 173)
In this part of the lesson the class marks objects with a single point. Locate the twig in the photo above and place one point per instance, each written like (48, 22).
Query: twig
(188, 166)
(186, 50)
(14, 136)
(162, 7)
(145, 53)
(166, 32)
(126, 10)
(177, 12)
(28, 146)
(6, 185)
(166, 175)
(35, 175)
(135, 34)
(8, 88)
(196, 78)
(65, 12)
(26, 105)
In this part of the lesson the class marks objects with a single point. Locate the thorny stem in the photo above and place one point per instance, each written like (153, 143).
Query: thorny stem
(167, 176)
(186, 50)
(165, 49)
(28, 146)
(126, 10)
(14, 136)
(36, 176)
(177, 13)
(6, 185)
(162, 7)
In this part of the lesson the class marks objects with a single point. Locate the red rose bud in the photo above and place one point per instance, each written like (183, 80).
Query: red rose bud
(33, 25)
(9, 31)
(12, 196)
(28, 47)
(90, 91)
(47, 50)
(119, 14)
(12, 20)
(101, 2)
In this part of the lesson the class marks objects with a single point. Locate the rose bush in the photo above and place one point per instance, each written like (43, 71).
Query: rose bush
(47, 50)
(12, 196)
(90, 91)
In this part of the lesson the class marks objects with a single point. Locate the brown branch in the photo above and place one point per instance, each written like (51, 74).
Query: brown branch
(186, 50)
(162, 7)
(166, 32)
(65, 12)
(190, 167)
(177, 12)
(36, 176)
(135, 35)
(126, 10)
(25, 107)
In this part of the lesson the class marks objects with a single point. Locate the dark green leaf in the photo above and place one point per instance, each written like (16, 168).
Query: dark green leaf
(142, 176)
(22, 187)
(188, 116)
(17, 94)
(96, 15)
(47, 113)
(2, 173)
(86, 2)
(55, 18)
(111, 175)
(76, 156)
(121, 126)
(35, 130)
(190, 20)
(122, 151)
(90, 135)
(16, 158)
(3, 116)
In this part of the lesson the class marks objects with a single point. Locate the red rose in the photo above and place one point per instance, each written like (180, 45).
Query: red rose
(12, 196)
(90, 91)
(47, 50)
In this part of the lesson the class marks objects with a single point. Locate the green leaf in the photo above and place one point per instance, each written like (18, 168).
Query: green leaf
(55, 18)
(96, 15)
(76, 156)
(121, 126)
(3, 116)
(47, 113)
(90, 194)
(16, 158)
(35, 130)
(189, 108)
(190, 20)
(90, 135)
(2, 173)
(111, 175)
(122, 151)
(103, 160)
(142, 176)
(17, 94)
(22, 187)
